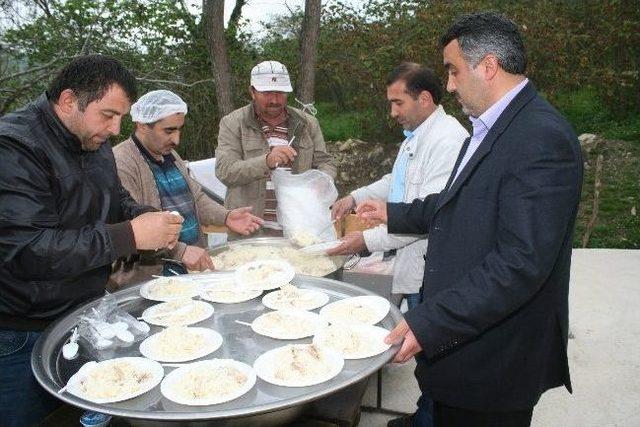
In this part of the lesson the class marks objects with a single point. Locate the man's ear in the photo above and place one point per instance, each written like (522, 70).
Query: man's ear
(425, 97)
(490, 66)
(67, 101)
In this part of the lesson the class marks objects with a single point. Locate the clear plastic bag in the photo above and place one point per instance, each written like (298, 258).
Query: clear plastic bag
(107, 327)
(303, 205)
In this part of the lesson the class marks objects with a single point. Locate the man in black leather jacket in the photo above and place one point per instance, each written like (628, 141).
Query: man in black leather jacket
(64, 216)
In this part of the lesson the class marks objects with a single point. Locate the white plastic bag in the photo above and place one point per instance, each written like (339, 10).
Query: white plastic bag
(304, 202)
(107, 327)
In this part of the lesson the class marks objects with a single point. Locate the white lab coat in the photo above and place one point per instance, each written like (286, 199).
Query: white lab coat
(433, 151)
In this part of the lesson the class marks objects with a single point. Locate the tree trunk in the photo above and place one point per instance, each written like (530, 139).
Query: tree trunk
(213, 18)
(309, 50)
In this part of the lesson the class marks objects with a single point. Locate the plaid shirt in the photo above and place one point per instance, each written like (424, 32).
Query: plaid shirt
(174, 192)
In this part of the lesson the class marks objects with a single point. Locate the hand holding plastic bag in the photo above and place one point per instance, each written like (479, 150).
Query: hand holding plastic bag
(303, 205)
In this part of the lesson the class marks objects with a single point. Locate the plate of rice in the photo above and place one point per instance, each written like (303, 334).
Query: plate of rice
(291, 297)
(367, 309)
(115, 380)
(169, 289)
(288, 324)
(264, 275)
(355, 341)
(298, 365)
(183, 312)
(177, 344)
(208, 382)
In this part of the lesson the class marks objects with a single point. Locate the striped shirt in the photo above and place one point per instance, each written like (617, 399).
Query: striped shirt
(276, 136)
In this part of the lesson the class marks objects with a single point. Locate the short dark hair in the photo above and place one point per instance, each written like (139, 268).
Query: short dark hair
(90, 76)
(417, 78)
(482, 33)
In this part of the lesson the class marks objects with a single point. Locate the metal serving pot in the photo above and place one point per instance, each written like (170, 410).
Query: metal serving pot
(265, 405)
(338, 260)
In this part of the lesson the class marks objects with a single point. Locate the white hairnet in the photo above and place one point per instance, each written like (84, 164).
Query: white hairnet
(156, 105)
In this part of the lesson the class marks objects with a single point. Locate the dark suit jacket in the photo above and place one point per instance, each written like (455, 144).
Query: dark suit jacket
(494, 319)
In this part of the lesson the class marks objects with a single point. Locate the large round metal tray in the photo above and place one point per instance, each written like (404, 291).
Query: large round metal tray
(338, 260)
(265, 404)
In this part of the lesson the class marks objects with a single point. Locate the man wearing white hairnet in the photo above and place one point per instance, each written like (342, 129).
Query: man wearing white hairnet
(154, 174)
(257, 138)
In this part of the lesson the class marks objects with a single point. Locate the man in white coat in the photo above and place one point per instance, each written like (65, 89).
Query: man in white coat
(423, 165)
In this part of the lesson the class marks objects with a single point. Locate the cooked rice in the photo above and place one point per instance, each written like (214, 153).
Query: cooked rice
(113, 380)
(312, 265)
(208, 383)
(300, 363)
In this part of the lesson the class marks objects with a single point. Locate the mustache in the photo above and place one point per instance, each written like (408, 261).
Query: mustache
(274, 105)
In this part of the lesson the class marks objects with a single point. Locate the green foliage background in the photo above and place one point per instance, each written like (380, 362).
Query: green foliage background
(584, 56)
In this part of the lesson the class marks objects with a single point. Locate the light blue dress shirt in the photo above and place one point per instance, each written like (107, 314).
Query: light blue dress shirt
(399, 172)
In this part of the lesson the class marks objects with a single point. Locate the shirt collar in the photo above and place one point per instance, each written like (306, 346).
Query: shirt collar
(425, 124)
(165, 158)
(261, 122)
(489, 117)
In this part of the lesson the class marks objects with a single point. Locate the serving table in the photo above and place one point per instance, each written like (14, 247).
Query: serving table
(265, 404)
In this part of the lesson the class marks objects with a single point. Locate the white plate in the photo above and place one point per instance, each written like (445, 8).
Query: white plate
(151, 289)
(212, 342)
(306, 299)
(371, 336)
(312, 321)
(266, 365)
(153, 369)
(367, 309)
(272, 280)
(229, 293)
(321, 248)
(167, 388)
(176, 318)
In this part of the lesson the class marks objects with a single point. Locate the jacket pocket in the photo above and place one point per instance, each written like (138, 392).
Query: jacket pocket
(12, 342)
(253, 144)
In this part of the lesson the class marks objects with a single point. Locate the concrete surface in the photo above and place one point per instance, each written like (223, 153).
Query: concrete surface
(604, 353)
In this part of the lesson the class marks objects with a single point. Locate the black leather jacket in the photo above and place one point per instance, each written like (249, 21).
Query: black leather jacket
(63, 218)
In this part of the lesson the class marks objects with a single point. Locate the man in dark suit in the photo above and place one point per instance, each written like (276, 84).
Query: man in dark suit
(490, 335)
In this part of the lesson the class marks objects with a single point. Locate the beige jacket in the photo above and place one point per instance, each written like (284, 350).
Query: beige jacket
(242, 149)
(137, 178)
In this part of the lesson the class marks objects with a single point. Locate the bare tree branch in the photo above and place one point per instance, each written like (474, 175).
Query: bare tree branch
(17, 92)
(85, 45)
(291, 11)
(34, 69)
(44, 6)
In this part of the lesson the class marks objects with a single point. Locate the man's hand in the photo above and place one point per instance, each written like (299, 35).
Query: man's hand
(156, 230)
(342, 207)
(351, 243)
(281, 155)
(410, 347)
(195, 258)
(372, 212)
(241, 221)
